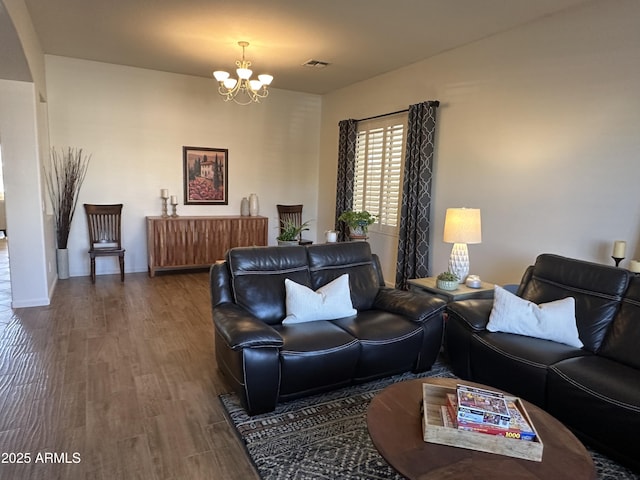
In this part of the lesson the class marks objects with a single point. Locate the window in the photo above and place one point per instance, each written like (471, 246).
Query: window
(379, 166)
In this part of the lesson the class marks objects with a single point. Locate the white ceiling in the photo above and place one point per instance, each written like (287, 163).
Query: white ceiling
(359, 38)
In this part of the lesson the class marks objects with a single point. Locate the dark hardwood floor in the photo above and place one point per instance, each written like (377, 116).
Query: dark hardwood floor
(114, 381)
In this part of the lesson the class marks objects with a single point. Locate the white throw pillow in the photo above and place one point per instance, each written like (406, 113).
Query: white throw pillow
(554, 321)
(329, 302)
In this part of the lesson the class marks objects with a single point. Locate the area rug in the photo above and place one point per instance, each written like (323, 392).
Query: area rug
(325, 436)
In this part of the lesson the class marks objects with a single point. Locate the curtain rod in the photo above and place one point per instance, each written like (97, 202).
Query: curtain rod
(435, 103)
(382, 115)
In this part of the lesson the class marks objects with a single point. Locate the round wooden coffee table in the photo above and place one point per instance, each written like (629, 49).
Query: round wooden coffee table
(395, 426)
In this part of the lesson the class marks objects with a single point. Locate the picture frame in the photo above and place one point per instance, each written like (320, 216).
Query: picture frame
(206, 172)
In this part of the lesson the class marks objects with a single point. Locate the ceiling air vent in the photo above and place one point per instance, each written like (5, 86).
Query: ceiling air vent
(315, 64)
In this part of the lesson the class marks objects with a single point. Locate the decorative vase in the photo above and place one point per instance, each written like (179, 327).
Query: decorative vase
(244, 207)
(62, 258)
(254, 206)
(447, 284)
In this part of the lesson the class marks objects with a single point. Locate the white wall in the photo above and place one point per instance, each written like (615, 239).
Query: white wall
(18, 137)
(24, 137)
(135, 122)
(538, 127)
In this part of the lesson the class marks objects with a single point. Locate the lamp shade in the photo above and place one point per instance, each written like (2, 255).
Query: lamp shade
(462, 225)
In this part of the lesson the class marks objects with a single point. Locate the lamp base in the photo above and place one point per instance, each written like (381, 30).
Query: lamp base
(617, 260)
(459, 261)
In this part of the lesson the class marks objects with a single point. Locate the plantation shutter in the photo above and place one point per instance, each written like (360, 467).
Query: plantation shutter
(379, 167)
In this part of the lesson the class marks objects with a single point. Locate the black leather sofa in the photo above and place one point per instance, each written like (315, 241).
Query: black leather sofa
(267, 362)
(594, 390)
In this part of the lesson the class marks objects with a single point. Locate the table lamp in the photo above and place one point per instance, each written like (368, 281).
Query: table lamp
(461, 226)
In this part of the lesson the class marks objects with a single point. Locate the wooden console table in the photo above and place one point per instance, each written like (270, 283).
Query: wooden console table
(197, 242)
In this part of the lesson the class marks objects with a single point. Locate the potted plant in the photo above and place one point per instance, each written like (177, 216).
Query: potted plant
(290, 232)
(64, 178)
(447, 281)
(358, 222)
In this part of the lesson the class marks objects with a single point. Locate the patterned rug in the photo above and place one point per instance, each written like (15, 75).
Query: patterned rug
(325, 436)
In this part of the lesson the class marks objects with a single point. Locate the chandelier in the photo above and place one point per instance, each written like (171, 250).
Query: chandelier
(243, 90)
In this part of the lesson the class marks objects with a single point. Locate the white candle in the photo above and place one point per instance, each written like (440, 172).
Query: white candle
(619, 247)
(634, 266)
(164, 193)
(174, 200)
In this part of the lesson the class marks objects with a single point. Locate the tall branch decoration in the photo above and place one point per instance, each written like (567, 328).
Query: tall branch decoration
(64, 178)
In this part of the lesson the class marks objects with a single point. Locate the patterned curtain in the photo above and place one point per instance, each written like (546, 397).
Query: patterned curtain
(346, 172)
(415, 220)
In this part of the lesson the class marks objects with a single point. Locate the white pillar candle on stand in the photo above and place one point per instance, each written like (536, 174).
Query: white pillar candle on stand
(164, 193)
(634, 266)
(174, 200)
(619, 248)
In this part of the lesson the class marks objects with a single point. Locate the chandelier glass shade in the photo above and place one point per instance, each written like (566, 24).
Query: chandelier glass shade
(242, 90)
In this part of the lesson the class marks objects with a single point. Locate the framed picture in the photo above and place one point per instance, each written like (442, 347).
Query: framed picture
(205, 176)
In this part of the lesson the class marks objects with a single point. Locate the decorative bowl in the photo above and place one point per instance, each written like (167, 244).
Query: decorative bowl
(447, 284)
(473, 281)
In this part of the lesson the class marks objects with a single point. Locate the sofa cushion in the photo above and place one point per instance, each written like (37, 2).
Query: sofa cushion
(315, 356)
(389, 342)
(555, 321)
(600, 400)
(623, 337)
(330, 260)
(329, 302)
(258, 274)
(515, 363)
(597, 289)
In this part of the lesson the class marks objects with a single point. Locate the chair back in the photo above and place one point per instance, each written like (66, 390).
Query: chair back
(289, 213)
(104, 224)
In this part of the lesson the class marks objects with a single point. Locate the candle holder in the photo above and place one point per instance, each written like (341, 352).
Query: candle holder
(617, 260)
(174, 206)
(165, 214)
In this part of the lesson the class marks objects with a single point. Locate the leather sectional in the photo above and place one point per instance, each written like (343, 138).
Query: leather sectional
(594, 390)
(267, 362)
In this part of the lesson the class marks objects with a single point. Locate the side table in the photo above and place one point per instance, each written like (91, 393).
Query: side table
(463, 292)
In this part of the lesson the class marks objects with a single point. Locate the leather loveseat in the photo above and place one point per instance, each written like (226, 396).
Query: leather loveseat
(267, 362)
(594, 390)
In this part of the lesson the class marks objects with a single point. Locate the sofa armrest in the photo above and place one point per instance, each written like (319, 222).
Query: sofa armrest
(413, 305)
(220, 284)
(474, 313)
(240, 329)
